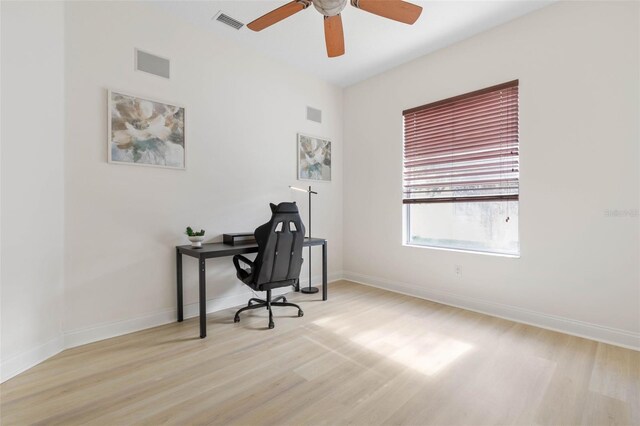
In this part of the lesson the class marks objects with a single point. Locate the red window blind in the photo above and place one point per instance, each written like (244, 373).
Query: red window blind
(464, 148)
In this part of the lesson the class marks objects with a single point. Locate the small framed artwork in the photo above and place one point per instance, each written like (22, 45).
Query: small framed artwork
(145, 132)
(314, 158)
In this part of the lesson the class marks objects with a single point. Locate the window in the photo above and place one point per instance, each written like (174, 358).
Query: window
(461, 172)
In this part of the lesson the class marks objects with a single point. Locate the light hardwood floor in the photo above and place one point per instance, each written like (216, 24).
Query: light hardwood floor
(365, 357)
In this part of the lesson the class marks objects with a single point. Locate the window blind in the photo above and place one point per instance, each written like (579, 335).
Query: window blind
(464, 148)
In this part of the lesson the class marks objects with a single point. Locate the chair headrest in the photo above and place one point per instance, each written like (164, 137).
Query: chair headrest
(284, 208)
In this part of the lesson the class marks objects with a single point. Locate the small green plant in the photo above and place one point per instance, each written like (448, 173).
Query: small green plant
(190, 232)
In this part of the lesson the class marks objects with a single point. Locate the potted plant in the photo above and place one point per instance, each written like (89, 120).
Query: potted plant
(196, 238)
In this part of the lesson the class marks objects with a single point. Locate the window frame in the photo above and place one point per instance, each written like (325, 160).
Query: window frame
(406, 238)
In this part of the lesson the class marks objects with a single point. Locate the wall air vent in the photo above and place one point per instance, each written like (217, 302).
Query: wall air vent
(228, 20)
(314, 114)
(152, 64)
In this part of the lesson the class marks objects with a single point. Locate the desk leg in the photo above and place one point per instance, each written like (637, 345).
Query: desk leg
(203, 299)
(324, 271)
(179, 285)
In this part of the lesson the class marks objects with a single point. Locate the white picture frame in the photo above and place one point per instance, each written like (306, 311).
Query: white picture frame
(314, 158)
(142, 131)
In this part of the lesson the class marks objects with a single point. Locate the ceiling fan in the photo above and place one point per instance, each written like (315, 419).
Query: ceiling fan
(397, 10)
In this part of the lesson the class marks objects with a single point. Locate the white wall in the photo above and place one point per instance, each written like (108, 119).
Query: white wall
(32, 135)
(579, 137)
(122, 222)
(578, 272)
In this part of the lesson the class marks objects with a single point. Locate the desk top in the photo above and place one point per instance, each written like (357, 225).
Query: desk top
(210, 250)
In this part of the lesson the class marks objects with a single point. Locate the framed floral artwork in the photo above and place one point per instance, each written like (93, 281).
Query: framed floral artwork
(145, 132)
(314, 158)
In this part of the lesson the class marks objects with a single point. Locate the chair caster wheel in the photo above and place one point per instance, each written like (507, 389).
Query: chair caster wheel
(236, 319)
(271, 325)
(284, 299)
(300, 313)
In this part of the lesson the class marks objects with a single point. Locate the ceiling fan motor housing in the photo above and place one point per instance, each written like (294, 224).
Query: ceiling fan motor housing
(329, 7)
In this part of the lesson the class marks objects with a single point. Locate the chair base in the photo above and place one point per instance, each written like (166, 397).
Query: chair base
(268, 303)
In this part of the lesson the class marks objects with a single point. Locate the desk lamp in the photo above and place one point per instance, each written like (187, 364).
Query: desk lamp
(309, 289)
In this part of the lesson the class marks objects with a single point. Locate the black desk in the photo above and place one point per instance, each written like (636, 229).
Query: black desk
(213, 250)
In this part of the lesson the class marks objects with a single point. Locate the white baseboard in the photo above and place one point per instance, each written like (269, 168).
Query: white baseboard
(73, 338)
(112, 329)
(118, 328)
(29, 358)
(587, 330)
(316, 280)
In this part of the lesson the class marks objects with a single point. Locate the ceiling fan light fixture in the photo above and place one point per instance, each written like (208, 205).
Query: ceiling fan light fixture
(329, 7)
(396, 10)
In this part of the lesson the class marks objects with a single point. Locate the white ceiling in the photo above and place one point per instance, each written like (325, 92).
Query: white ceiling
(373, 44)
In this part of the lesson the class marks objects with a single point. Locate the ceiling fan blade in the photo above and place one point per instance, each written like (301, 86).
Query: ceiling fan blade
(334, 35)
(278, 14)
(397, 10)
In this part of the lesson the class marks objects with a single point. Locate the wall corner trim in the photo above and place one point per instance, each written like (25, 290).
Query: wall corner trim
(30, 358)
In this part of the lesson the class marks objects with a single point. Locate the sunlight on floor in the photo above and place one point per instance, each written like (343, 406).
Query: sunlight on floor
(424, 351)
(434, 360)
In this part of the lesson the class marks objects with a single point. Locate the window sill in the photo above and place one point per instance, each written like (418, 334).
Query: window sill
(487, 253)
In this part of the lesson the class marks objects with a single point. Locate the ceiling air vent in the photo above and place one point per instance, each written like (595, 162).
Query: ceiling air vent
(226, 19)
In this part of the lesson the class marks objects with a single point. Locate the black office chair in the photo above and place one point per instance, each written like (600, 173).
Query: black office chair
(279, 258)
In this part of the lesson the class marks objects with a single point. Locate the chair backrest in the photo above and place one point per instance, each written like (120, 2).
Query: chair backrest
(279, 245)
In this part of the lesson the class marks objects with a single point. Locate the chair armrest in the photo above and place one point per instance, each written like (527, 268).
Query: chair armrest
(236, 262)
